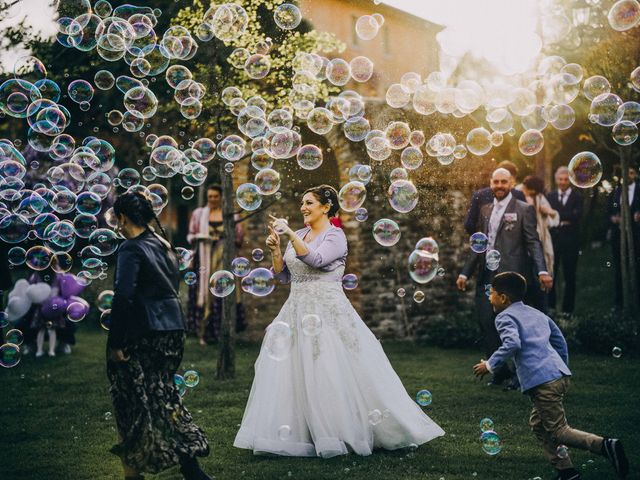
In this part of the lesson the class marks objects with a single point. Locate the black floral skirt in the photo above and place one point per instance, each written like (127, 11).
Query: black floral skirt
(155, 427)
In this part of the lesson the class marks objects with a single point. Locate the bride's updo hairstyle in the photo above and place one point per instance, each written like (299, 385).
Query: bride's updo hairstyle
(326, 195)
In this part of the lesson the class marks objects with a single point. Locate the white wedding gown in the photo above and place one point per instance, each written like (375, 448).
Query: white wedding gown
(323, 385)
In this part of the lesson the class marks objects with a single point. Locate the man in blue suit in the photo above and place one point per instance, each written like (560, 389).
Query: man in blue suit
(539, 351)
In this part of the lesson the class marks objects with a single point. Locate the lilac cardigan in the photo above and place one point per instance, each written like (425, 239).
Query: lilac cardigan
(327, 252)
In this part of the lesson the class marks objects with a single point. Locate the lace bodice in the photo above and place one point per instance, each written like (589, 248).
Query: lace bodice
(301, 272)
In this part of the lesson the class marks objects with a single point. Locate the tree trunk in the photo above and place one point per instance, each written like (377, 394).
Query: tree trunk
(226, 360)
(627, 248)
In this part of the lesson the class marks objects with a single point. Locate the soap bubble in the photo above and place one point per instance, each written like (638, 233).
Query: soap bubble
(386, 232)
(105, 320)
(16, 256)
(257, 66)
(278, 341)
(375, 417)
(181, 386)
(398, 134)
(424, 398)
(411, 158)
(257, 254)
(429, 246)
(423, 266)
(491, 444)
(284, 433)
(241, 266)
(268, 181)
(401, 292)
(320, 120)
(80, 91)
(9, 355)
(616, 352)
(190, 278)
(624, 15)
(486, 424)
(248, 197)
(492, 260)
(478, 242)
(403, 196)
(77, 310)
(367, 27)
(361, 214)
(141, 102)
(38, 258)
(585, 170)
(191, 378)
(562, 117)
(352, 196)
(104, 240)
(105, 300)
(262, 282)
(287, 16)
(311, 325)
(635, 79)
(397, 96)
(309, 157)
(222, 283)
(605, 109)
(624, 132)
(631, 112)
(595, 85)
(350, 281)
(227, 21)
(479, 141)
(14, 336)
(361, 69)
(104, 79)
(562, 451)
(531, 142)
(338, 71)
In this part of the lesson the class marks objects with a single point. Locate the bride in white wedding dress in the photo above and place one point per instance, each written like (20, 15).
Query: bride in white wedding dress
(323, 386)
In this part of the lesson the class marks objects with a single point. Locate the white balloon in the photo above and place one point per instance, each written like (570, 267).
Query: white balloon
(38, 292)
(20, 288)
(17, 307)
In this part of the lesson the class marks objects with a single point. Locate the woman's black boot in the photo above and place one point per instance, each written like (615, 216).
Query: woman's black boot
(191, 470)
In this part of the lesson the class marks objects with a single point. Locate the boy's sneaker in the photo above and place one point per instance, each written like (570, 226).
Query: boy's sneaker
(613, 450)
(568, 474)
(66, 349)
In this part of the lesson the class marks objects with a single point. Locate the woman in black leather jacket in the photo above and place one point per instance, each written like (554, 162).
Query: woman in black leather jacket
(144, 350)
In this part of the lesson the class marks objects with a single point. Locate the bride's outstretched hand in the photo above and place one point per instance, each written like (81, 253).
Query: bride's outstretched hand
(273, 240)
(280, 226)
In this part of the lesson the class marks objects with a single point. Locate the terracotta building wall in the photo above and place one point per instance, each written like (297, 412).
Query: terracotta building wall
(404, 43)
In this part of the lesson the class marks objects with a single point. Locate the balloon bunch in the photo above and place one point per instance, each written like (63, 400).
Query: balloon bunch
(60, 298)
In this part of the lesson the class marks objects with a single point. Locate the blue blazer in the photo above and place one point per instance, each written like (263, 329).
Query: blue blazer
(535, 343)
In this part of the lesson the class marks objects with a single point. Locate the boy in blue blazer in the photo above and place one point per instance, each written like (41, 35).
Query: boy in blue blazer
(540, 354)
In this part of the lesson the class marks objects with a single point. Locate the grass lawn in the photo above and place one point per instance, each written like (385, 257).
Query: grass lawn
(54, 426)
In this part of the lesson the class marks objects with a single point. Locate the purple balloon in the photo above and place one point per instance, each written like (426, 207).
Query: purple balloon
(53, 307)
(70, 285)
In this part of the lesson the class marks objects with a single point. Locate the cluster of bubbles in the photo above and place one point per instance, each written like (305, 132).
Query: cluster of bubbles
(187, 381)
(424, 264)
(489, 439)
(68, 206)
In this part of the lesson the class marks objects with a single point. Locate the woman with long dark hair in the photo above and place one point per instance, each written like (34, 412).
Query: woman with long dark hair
(323, 386)
(144, 350)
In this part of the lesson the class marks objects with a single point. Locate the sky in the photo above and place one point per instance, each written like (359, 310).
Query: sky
(504, 32)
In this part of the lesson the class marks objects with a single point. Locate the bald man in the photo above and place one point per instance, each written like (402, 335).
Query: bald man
(510, 226)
